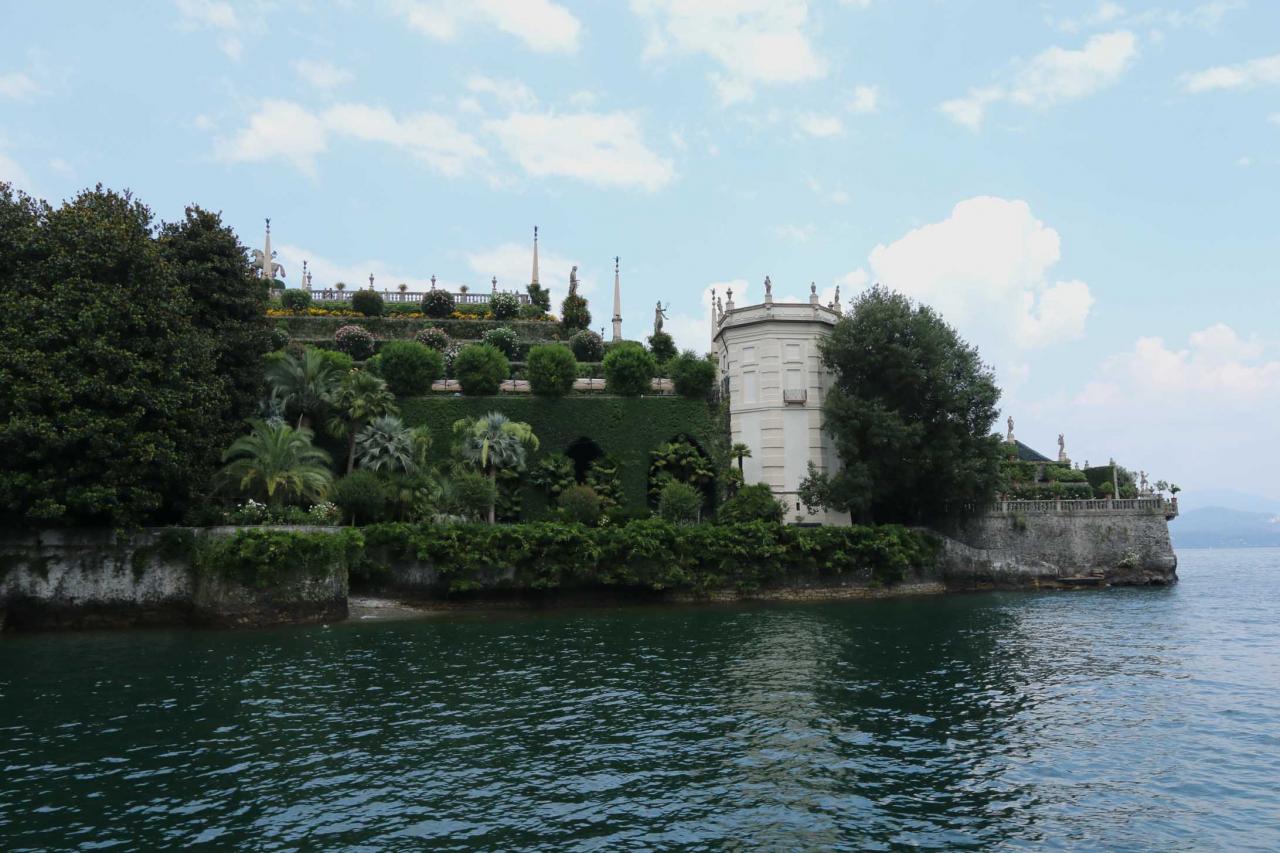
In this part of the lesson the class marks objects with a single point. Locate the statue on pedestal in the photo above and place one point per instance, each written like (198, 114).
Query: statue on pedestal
(1009, 436)
(1062, 448)
(659, 314)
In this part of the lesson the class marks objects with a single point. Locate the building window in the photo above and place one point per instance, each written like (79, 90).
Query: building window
(793, 352)
(750, 387)
(748, 355)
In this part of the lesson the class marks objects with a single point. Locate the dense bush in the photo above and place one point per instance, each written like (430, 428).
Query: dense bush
(279, 337)
(693, 375)
(409, 367)
(295, 300)
(662, 346)
(551, 370)
(480, 369)
(679, 503)
(361, 497)
(502, 339)
(437, 303)
(339, 362)
(587, 346)
(434, 337)
(355, 341)
(574, 314)
(751, 503)
(628, 370)
(580, 504)
(472, 494)
(264, 558)
(504, 306)
(539, 298)
(368, 303)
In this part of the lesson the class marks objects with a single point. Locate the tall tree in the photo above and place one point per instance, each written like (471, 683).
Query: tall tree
(492, 443)
(278, 463)
(305, 385)
(911, 413)
(361, 398)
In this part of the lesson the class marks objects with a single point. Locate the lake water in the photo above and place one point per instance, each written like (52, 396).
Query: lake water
(1143, 719)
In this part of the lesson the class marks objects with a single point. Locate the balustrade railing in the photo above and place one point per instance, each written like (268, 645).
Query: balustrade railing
(332, 294)
(1148, 504)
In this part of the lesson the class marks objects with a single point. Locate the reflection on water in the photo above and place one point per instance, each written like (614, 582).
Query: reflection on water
(1123, 719)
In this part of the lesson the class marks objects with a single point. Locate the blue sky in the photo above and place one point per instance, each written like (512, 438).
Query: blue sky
(1086, 190)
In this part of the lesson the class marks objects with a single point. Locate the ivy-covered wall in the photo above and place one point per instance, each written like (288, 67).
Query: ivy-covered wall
(626, 428)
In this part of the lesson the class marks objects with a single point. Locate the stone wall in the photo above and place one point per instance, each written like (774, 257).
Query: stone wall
(101, 578)
(1056, 549)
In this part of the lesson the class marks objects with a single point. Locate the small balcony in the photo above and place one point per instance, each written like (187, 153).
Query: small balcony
(795, 396)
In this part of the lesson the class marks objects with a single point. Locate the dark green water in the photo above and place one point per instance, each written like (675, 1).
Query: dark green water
(1113, 720)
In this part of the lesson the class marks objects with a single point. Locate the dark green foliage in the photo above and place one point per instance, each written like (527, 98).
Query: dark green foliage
(539, 298)
(316, 329)
(628, 370)
(354, 341)
(295, 300)
(409, 367)
(662, 346)
(580, 504)
(654, 554)
(111, 407)
(361, 497)
(604, 477)
(502, 339)
(279, 337)
(551, 370)
(473, 493)
(693, 375)
(574, 315)
(679, 503)
(263, 558)
(751, 503)
(368, 302)
(341, 363)
(553, 475)
(433, 337)
(587, 346)
(911, 414)
(504, 306)
(437, 303)
(480, 369)
(682, 462)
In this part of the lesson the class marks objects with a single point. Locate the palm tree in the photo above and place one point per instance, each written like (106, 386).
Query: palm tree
(494, 441)
(386, 443)
(306, 385)
(279, 462)
(741, 451)
(361, 398)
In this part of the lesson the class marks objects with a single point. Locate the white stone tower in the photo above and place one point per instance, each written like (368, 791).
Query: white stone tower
(773, 373)
(617, 303)
(534, 280)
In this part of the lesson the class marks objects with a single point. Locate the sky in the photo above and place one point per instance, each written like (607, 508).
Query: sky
(1086, 190)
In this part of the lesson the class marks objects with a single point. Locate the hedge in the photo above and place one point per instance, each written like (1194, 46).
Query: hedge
(650, 554)
(391, 327)
(628, 429)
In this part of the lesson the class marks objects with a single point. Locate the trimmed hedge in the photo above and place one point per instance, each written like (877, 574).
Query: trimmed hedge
(652, 554)
(322, 328)
(261, 557)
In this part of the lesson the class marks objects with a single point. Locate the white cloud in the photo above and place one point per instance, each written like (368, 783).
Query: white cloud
(754, 42)
(215, 15)
(542, 25)
(512, 94)
(17, 85)
(62, 167)
(821, 126)
(793, 233)
(321, 75)
(434, 139)
(692, 330)
(327, 272)
(1052, 76)
(278, 130)
(985, 269)
(853, 282)
(866, 99)
(1274, 118)
(1256, 72)
(512, 263)
(1106, 12)
(606, 149)
(12, 173)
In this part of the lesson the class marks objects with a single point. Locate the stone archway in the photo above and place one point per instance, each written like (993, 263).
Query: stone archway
(687, 461)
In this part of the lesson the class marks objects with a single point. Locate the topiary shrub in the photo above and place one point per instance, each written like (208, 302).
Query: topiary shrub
(628, 370)
(355, 341)
(551, 370)
(502, 339)
(434, 337)
(662, 346)
(480, 369)
(409, 367)
(679, 503)
(573, 312)
(581, 504)
(472, 493)
(504, 306)
(539, 298)
(341, 363)
(693, 375)
(295, 300)
(361, 497)
(280, 337)
(751, 503)
(437, 303)
(587, 346)
(368, 303)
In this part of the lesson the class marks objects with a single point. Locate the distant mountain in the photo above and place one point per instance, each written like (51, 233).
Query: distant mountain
(1219, 527)
(1227, 499)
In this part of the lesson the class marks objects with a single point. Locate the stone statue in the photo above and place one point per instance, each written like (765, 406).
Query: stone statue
(1062, 448)
(277, 271)
(1009, 437)
(813, 289)
(573, 281)
(719, 308)
(768, 287)
(659, 314)
(1143, 476)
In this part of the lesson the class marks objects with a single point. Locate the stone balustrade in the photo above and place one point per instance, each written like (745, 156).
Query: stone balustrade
(334, 295)
(1154, 505)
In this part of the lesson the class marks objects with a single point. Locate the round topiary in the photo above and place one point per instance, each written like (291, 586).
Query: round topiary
(409, 367)
(434, 337)
(280, 337)
(581, 504)
(574, 314)
(368, 303)
(503, 339)
(693, 375)
(355, 341)
(437, 303)
(295, 300)
(662, 346)
(480, 369)
(504, 306)
(551, 370)
(361, 497)
(628, 370)
(587, 346)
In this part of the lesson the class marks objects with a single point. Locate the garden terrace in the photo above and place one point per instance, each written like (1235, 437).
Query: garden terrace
(391, 297)
(311, 329)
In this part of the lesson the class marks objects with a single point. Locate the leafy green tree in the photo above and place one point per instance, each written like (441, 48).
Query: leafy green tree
(305, 384)
(409, 367)
(574, 314)
(111, 409)
(553, 474)
(471, 494)
(386, 444)
(361, 398)
(494, 442)
(362, 497)
(682, 462)
(296, 300)
(587, 346)
(911, 414)
(368, 302)
(278, 463)
(693, 375)
(662, 346)
(480, 369)
(679, 503)
(552, 370)
(581, 504)
(629, 369)
(740, 452)
(751, 503)
(539, 297)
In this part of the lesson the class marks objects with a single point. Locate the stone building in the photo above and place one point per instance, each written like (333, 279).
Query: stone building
(773, 375)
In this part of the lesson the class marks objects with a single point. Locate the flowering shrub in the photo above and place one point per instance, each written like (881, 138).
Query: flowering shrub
(437, 303)
(325, 513)
(433, 337)
(450, 355)
(502, 339)
(249, 512)
(587, 346)
(504, 306)
(354, 341)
